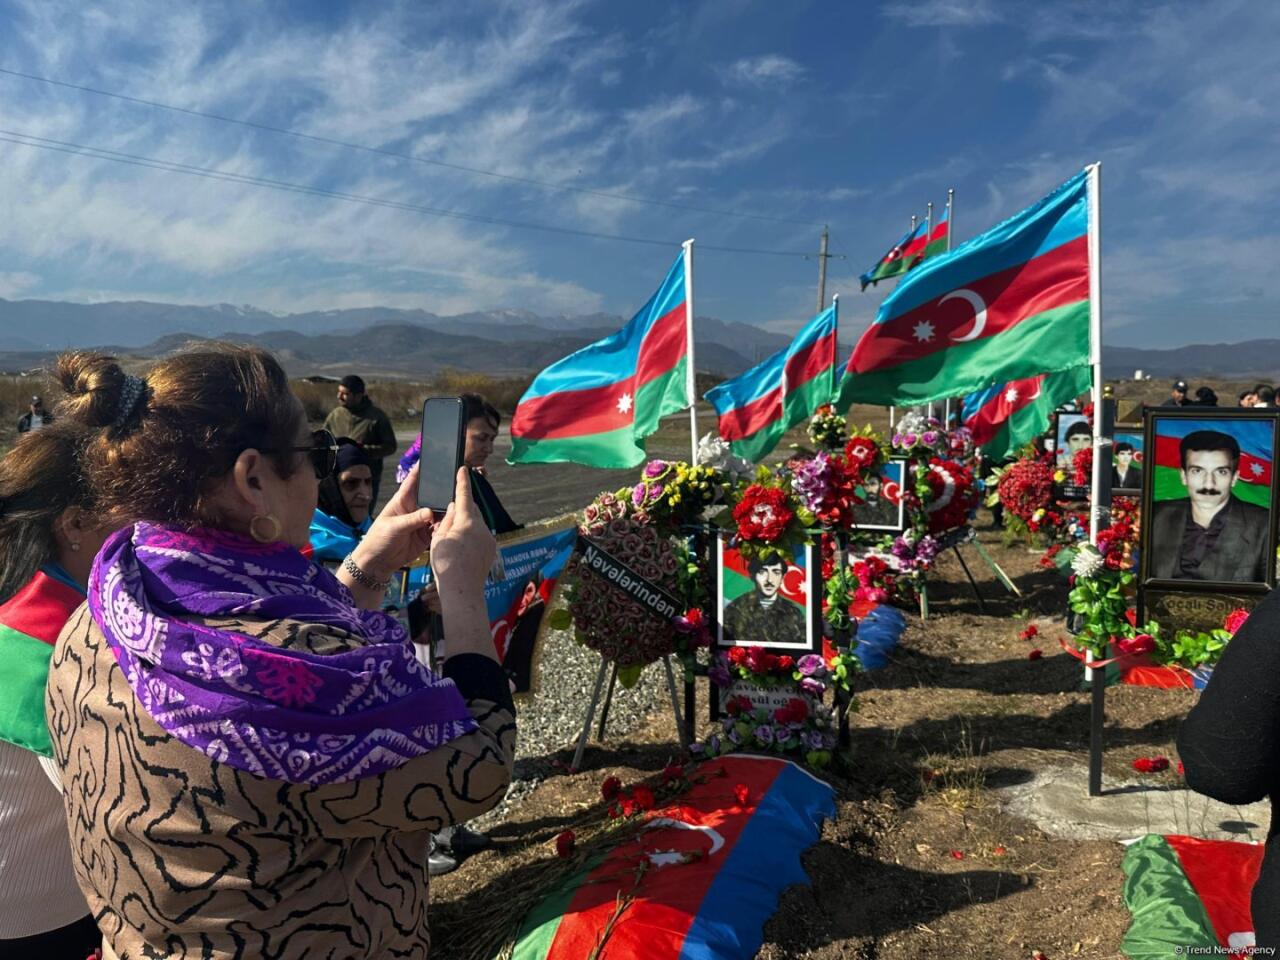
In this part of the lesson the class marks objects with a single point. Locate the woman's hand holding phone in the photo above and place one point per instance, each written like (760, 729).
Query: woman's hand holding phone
(462, 553)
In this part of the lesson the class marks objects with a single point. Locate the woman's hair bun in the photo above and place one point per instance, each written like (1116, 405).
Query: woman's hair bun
(92, 383)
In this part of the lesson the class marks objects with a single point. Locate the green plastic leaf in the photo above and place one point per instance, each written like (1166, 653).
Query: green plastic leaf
(560, 619)
(629, 676)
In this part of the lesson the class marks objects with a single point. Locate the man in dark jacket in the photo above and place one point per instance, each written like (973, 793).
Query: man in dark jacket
(35, 417)
(1178, 395)
(356, 417)
(765, 616)
(1211, 534)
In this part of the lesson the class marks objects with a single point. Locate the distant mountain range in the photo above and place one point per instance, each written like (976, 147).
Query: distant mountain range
(412, 343)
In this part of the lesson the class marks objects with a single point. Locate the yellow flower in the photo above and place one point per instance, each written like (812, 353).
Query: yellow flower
(675, 498)
(1037, 515)
(1059, 475)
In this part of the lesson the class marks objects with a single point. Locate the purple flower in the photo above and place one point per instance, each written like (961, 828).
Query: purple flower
(812, 480)
(656, 468)
(813, 687)
(713, 743)
(908, 440)
(718, 672)
(638, 494)
(697, 749)
(764, 733)
(733, 737)
(813, 740)
(781, 735)
(809, 664)
(929, 438)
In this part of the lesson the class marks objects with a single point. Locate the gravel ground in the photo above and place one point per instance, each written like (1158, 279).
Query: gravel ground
(552, 718)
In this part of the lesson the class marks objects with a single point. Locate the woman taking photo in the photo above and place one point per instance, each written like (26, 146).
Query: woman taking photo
(48, 537)
(342, 511)
(252, 757)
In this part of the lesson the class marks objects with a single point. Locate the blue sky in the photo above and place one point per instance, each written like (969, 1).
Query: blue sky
(853, 115)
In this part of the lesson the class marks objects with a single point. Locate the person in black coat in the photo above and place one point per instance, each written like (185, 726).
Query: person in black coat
(1230, 744)
(1211, 534)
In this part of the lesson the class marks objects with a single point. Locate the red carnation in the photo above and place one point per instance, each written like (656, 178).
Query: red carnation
(565, 843)
(1151, 764)
(643, 797)
(737, 705)
(1180, 770)
(672, 772)
(762, 514)
(796, 711)
(1035, 654)
(1136, 646)
(1031, 631)
(861, 452)
(786, 664)
(741, 794)
(957, 854)
(1235, 620)
(610, 789)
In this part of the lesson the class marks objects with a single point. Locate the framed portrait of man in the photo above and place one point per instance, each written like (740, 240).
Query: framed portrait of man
(1072, 433)
(1127, 459)
(1209, 500)
(882, 508)
(770, 601)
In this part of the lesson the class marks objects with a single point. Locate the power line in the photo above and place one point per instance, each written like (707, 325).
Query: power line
(171, 166)
(331, 141)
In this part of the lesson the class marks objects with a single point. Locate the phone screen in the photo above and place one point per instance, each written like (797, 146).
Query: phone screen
(443, 441)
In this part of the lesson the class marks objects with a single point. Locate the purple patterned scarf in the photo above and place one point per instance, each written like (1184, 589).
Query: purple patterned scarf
(282, 714)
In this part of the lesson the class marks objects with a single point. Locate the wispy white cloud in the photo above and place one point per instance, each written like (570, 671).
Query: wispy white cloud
(943, 13)
(770, 69)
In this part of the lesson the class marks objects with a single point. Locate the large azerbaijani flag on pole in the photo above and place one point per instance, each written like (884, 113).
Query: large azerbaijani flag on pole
(899, 258)
(713, 869)
(1254, 438)
(758, 407)
(939, 241)
(597, 405)
(30, 622)
(1010, 303)
(1007, 416)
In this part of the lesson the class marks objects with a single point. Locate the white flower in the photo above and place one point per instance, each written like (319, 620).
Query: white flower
(1088, 561)
(715, 452)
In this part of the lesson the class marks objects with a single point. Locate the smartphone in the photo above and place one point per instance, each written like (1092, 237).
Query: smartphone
(444, 440)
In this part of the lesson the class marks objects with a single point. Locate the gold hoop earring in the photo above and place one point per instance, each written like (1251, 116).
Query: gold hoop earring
(272, 535)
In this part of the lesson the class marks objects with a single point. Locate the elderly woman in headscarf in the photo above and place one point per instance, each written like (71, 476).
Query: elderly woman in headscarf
(252, 758)
(344, 500)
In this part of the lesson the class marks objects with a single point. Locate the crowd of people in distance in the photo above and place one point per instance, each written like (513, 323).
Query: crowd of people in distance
(170, 650)
(1262, 395)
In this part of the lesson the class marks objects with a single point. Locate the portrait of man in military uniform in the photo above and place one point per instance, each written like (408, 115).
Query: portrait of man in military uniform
(763, 615)
(877, 511)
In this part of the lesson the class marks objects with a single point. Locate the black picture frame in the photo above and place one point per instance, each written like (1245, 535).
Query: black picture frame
(812, 613)
(1156, 591)
(900, 523)
(1064, 423)
(1128, 430)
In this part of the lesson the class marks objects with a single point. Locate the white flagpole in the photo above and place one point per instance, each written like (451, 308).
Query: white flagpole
(951, 217)
(835, 346)
(690, 371)
(1093, 186)
(928, 228)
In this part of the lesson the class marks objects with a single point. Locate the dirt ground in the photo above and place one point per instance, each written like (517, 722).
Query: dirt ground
(921, 862)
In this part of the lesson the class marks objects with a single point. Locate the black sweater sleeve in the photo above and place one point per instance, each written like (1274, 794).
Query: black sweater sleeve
(1230, 741)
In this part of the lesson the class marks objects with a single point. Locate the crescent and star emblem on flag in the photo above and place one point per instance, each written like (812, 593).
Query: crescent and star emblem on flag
(979, 312)
(665, 858)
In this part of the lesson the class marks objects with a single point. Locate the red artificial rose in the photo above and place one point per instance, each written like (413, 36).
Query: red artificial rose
(1136, 646)
(1235, 620)
(786, 664)
(737, 656)
(643, 797)
(1035, 654)
(627, 805)
(762, 513)
(737, 705)
(861, 451)
(672, 772)
(610, 789)
(741, 794)
(565, 843)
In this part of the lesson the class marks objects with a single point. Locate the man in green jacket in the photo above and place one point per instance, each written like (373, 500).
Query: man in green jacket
(356, 417)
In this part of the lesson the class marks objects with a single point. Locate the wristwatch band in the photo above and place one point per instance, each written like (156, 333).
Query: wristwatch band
(362, 578)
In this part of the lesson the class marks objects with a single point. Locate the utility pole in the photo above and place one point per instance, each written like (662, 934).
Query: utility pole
(822, 272)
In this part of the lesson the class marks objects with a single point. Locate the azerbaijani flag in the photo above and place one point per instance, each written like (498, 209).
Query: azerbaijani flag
(597, 405)
(758, 407)
(1007, 416)
(1010, 303)
(899, 258)
(1254, 437)
(715, 869)
(1187, 893)
(938, 235)
(30, 622)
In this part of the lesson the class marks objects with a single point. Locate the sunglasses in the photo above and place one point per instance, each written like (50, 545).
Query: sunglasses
(323, 452)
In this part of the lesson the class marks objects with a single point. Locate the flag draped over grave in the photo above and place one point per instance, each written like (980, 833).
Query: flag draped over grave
(714, 869)
(1012, 302)
(1254, 437)
(758, 407)
(1189, 894)
(1007, 416)
(597, 405)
